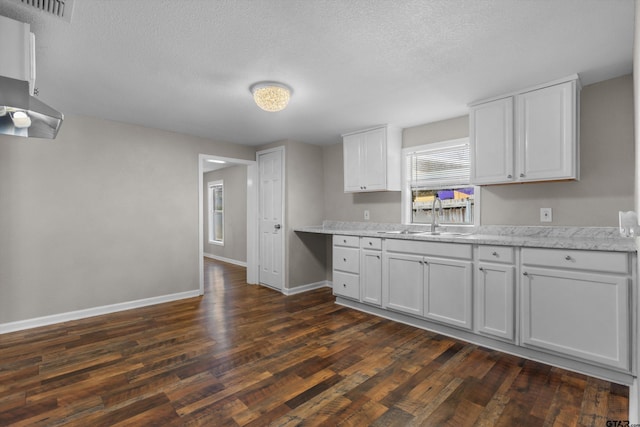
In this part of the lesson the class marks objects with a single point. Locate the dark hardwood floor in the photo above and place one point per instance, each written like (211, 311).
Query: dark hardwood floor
(247, 355)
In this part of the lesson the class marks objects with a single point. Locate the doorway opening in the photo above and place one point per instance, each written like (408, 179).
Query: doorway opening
(246, 237)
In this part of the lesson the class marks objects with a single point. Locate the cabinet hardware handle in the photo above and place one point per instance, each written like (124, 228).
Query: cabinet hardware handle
(370, 243)
(568, 258)
(344, 259)
(421, 262)
(521, 175)
(378, 256)
(509, 176)
(495, 254)
(525, 274)
(344, 285)
(481, 269)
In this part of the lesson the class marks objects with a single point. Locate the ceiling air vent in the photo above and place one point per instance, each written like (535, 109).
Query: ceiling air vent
(62, 9)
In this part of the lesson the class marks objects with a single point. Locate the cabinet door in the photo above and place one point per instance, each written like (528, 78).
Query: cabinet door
(546, 139)
(491, 132)
(403, 283)
(448, 291)
(371, 277)
(578, 314)
(374, 164)
(352, 151)
(495, 300)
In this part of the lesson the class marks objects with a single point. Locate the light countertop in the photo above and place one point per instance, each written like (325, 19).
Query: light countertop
(583, 238)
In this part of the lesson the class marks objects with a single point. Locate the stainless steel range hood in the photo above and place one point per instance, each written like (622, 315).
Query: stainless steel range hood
(24, 115)
(20, 113)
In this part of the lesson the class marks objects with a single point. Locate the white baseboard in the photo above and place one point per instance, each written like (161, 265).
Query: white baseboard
(90, 312)
(229, 260)
(307, 288)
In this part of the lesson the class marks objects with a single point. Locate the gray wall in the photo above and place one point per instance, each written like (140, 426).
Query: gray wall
(106, 213)
(306, 256)
(607, 171)
(235, 213)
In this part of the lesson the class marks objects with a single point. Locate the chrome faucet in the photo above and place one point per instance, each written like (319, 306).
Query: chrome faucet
(435, 214)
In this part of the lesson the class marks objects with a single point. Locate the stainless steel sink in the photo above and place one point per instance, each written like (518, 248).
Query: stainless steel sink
(443, 233)
(423, 233)
(401, 232)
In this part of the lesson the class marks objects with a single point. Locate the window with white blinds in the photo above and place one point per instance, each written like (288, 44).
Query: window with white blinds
(443, 164)
(439, 171)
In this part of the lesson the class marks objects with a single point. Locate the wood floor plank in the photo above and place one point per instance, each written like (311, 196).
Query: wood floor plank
(245, 355)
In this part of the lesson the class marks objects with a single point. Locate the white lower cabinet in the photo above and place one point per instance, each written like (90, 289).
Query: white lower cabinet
(495, 292)
(562, 304)
(582, 313)
(438, 289)
(404, 283)
(448, 291)
(346, 266)
(370, 272)
(357, 268)
(495, 300)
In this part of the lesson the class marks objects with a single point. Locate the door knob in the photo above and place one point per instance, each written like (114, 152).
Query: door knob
(277, 226)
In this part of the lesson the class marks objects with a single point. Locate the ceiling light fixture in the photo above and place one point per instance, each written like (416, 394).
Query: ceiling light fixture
(271, 96)
(216, 161)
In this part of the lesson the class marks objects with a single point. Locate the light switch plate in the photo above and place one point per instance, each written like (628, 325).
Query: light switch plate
(366, 215)
(546, 215)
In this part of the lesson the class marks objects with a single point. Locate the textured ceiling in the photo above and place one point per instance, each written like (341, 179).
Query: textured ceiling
(186, 65)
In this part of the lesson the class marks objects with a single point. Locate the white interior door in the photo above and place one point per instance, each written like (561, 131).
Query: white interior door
(271, 218)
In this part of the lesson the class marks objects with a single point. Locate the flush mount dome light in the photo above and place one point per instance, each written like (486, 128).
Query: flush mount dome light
(271, 96)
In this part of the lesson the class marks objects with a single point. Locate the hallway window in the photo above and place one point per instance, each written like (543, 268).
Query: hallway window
(216, 212)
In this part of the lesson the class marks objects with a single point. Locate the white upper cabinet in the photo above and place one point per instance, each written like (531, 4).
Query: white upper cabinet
(372, 160)
(546, 133)
(528, 136)
(491, 128)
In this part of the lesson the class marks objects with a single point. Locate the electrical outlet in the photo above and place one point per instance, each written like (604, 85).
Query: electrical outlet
(546, 215)
(366, 215)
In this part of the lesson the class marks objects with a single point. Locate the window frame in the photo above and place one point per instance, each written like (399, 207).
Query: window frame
(406, 197)
(211, 190)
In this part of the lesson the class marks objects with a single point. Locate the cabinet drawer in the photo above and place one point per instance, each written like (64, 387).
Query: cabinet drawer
(371, 243)
(437, 249)
(346, 259)
(612, 262)
(350, 241)
(502, 254)
(346, 285)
